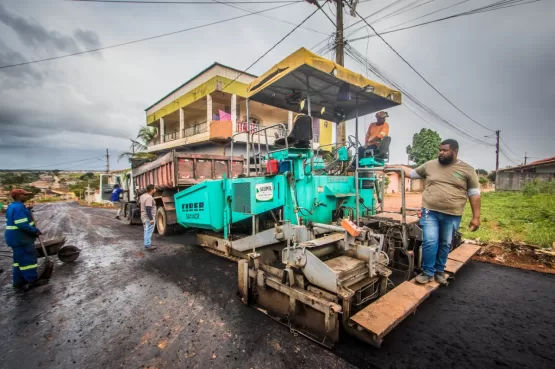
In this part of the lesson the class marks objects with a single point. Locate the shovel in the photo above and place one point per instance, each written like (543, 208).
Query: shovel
(48, 264)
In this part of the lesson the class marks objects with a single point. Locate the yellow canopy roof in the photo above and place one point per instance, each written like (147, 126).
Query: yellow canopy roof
(329, 84)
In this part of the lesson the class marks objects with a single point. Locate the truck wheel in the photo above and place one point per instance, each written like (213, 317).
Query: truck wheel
(130, 211)
(164, 229)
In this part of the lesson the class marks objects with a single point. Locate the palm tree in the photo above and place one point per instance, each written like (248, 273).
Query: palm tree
(139, 146)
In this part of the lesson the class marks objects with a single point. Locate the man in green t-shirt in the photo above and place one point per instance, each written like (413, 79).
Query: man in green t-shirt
(448, 184)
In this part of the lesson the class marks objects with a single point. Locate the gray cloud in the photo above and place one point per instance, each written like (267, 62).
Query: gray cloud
(14, 77)
(35, 35)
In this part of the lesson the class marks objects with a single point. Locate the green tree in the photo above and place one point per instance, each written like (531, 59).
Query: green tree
(425, 146)
(481, 172)
(139, 146)
(492, 177)
(88, 175)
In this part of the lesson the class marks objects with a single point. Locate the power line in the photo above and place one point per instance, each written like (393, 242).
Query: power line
(70, 162)
(376, 12)
(420, 75)
(273, 47)
(143, 39)
(267, 52)
(434, 12)
(471, 12)
(266, 16)
(366, 64)
(188, 2)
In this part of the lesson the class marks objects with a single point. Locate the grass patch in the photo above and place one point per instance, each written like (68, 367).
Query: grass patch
(514, 217)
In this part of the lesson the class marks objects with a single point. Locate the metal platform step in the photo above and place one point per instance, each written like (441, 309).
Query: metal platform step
(381, 316)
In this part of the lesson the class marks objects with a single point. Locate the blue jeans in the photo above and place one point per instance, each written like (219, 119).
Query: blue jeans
(438, 230)
(149, 230)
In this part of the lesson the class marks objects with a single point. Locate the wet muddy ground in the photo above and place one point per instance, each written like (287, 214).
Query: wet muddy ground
(120, 307)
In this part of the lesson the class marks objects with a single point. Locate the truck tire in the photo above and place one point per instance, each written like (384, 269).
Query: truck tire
(163, 228)
(130, 209)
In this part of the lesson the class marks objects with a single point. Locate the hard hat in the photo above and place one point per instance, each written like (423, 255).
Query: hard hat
(382, 114)
(19, 191)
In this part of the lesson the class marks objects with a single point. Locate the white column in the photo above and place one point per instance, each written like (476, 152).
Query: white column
(208, 109)
(162, 130)
(289, 121)
(181, 122)
(233, 113)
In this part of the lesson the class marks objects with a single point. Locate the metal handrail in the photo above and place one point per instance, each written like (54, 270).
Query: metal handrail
(258, 131)
(385, 170)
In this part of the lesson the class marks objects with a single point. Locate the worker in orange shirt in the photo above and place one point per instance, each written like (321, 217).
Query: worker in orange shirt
(376, 133)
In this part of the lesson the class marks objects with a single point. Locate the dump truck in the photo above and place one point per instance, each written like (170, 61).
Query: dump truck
(170, 173)
(315, 249)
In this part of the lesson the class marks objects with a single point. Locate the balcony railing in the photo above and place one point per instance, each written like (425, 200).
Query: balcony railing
(171, 136)
(195, 130)
(276, 132)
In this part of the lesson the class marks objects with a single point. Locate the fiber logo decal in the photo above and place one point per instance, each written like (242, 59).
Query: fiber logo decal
(265, 191)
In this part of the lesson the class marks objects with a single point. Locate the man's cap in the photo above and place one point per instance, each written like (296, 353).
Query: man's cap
(382, 114)
(19, 191)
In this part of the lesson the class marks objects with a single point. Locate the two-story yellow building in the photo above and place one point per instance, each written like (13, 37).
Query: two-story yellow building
(202, 113)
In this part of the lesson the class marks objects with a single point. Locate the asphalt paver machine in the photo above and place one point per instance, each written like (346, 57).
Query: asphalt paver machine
(314, 250)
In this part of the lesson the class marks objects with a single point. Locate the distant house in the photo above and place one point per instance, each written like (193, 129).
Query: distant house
(411, 185)
(42, 185)
(60, 193)
(514, 178)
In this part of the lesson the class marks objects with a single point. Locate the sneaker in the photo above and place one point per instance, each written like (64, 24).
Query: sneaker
(441, 279)
(117, 217)
(151, 247)
(424, 278)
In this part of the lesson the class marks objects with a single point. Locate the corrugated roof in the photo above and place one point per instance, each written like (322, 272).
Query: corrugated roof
(533, 164)
(198, 74)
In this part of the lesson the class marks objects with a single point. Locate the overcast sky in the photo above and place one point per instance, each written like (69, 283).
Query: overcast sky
(498, 67)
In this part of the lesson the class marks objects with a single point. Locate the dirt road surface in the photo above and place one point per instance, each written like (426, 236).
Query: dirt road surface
(119, 307)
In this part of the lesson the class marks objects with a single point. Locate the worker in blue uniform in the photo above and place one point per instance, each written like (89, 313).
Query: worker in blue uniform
(20, 235)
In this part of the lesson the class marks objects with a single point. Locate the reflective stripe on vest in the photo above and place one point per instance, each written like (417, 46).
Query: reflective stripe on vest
(22, 220)
(11, 228)
(15, 265)
(32, 266)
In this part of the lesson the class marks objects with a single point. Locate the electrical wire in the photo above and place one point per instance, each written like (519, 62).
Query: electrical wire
(193, 2)
(475, 11)
(508, 147)
(231, 4)
(70, 162)
(272, 48)
(371, 15)
(425, 15)
(400, 11)
(415, 100)
(420, 75)
(142, 39)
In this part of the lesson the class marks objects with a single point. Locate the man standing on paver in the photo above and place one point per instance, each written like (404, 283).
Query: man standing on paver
(148, 210)
(449, 182)
(20, 235)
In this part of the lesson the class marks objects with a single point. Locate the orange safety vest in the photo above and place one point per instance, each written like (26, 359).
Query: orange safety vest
(376, 133)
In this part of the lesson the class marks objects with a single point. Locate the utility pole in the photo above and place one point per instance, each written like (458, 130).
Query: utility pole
(339, 41)
(341, 130)
(525, 158)
(107, 161)
(497, 151)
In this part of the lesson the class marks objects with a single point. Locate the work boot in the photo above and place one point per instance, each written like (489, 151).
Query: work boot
(441, 279)
(151, 247)
(117, 217)
(423, 278)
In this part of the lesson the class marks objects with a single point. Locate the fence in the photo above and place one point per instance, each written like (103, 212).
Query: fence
(515, 181)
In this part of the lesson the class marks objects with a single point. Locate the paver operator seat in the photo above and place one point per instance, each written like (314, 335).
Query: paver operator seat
(301, 134)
